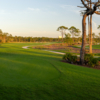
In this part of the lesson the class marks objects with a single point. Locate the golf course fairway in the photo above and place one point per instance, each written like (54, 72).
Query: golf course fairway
(33, 74)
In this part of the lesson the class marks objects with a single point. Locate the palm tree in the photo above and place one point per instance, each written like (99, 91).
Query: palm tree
(62, 29)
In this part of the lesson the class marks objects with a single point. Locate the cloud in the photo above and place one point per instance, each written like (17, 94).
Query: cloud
(70, 8)
(67, 6)
(34, 9)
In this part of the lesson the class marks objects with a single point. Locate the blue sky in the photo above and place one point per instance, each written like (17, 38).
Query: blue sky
(41, 18)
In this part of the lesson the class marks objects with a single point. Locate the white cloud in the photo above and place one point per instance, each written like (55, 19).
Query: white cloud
(70, 8)
(34, 9)
(67, 6)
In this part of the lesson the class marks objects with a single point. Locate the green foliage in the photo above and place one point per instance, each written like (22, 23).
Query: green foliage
(70, 58)
(67, 56)
(88, 56)
(98, 27)
(90, 60)
(74, 31)
(74, 59)
(68, 38)
(1, 31)
(61, 28)
(93, 62)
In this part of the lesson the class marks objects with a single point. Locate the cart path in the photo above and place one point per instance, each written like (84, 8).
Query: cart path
(26, 47)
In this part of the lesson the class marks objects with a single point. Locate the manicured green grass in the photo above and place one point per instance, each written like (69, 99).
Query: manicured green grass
(77, 46)
(93, 46)
(31, 74)
(96, 46)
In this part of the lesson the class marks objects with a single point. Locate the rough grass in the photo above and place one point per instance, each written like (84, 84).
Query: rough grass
(30, 74)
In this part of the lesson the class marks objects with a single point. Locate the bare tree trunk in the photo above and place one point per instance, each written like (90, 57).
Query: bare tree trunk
(82, 51)
(90, 47)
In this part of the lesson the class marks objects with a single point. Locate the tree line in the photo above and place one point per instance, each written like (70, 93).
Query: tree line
(73, 36)
(6, 38)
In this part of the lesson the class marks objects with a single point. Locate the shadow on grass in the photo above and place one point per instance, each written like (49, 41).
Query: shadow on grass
(25, 54)
(2, 47)
(38, 93)
(19, 93)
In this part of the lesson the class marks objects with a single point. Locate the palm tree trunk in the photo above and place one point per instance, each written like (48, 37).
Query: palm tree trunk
(90, 47)
(82, 51)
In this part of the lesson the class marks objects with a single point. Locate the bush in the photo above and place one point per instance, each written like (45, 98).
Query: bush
(70, 58)
(90, 60)
(64, 57)
(88, 56)
(93, 62)
(74, 59)
(67, 56)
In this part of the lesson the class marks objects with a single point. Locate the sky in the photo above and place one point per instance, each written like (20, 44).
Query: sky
(41, 18)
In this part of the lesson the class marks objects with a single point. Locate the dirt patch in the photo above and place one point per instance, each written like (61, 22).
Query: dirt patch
(64, 46)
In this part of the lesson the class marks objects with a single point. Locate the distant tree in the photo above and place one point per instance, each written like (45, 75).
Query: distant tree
(1, 31)
(62, 29)
(74, 31)
(77, 32)
(93, 35)
(99, 34)
(98, 27)
(68, 38)
(68, 35)
(80, 39)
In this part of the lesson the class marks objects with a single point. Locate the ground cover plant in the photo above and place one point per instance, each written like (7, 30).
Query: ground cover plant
(33, 74)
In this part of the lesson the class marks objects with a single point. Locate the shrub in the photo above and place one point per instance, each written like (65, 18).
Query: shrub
(88, 56)
(74, 59)
(93, 61)
(67, 56)
(64, 57)
(70, 58)
(90, 60)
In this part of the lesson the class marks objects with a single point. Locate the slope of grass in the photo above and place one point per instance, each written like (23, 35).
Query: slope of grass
(31, 74)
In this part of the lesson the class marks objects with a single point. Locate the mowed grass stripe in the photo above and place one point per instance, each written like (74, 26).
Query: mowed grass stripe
(40, 75)
(36, 72)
